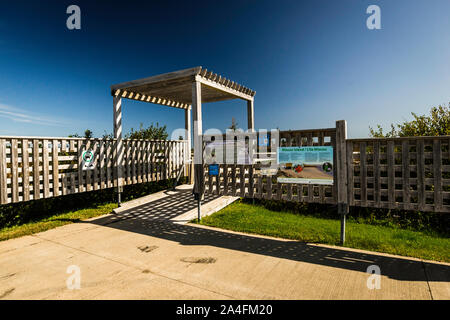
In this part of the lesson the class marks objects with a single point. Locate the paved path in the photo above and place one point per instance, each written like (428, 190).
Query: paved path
(140, 254)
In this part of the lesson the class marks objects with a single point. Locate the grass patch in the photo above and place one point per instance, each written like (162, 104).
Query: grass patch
(54, 221)
(25, 218)
(245, 217)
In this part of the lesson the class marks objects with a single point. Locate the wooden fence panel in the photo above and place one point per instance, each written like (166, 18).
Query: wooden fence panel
(3, 173)
(409, 173)
(33, 168)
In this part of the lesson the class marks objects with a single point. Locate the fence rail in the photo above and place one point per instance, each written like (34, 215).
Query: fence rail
(34, 168)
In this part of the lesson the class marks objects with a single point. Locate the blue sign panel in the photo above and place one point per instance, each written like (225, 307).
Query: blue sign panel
(213, 169)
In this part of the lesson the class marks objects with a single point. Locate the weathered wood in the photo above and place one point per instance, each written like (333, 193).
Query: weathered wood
(279, 193)
(55, 168)
(117, 116)
(128, 162)
(217, 180)
(101, 165)
(334, 186)
(109, 164)
(139, 161)
(3, 174)
(31, 163)
(45, 169)
(299, 192)
(350, 171)
(420, 174)
(260, 193)
(88, 173)
(363, 173)
(405, 175)
(133, 162)
(145, 152)
(72, 183)
(80, 149)
(251, 182)
(159, 174)
(250, 115)
(391, 173)
(289, 192)
(233, 180)
(437, 174)
(225, 179)
(242, 180)
(14, 171)
(376, 173)
(150, 161)
(25, 171)
(63, 184)
(341, 165)
(209, 184)
(36, 187)
(198, 137)
(72, 146)
(95, 177)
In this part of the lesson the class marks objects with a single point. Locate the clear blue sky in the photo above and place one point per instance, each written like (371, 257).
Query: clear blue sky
(310, 62)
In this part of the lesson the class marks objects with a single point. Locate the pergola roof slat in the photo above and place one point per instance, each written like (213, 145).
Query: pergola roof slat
(175, 88)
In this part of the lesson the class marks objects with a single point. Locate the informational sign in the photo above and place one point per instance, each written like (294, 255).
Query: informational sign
(307, 165)
(263, 140)
(88, 160)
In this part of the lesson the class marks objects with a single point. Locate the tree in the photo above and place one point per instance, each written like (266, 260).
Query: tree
(107, 136)
(437, 123)
(75, 135)
(234, 124)
(150, 133)
(88, 134)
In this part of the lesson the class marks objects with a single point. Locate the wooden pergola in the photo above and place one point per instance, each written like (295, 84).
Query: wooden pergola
(184, 89)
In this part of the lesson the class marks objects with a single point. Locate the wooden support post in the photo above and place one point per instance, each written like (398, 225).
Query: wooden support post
(341, 173)
(187, 155)
(198, 141)
(117, 104)
(250, 115)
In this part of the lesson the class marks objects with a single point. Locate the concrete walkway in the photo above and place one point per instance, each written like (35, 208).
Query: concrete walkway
(139, 253)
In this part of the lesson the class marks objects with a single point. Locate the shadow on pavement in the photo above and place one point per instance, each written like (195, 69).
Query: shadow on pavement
(152, 219)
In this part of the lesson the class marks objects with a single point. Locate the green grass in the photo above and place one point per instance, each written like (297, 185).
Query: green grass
(55, 221)
(259, 220)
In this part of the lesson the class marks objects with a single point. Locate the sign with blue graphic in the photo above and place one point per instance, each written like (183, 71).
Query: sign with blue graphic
(213, 169)
(309, 165)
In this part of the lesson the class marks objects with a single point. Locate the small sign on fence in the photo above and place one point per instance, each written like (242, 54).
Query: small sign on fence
(88, 160)
(213, 169)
